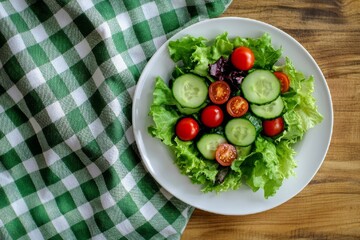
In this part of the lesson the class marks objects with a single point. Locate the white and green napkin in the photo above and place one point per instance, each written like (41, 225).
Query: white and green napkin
(69, 166)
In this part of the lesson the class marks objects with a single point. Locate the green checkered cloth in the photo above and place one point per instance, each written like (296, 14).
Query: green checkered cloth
(69, 166)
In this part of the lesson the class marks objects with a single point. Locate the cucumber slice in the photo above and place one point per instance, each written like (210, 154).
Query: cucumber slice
(208, 143)
(190, 90)
(260, 87)
(270, 110)
(256, 121)
(240, 132)
(243, 151)
(189, 111)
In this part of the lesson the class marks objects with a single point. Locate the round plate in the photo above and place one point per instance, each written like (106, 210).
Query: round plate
(158, 159)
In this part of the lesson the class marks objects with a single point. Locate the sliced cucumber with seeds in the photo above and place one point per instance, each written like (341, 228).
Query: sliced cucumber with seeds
(270, 110)
(208, 144)
(261, 87)
(190, 90)
(240, 132)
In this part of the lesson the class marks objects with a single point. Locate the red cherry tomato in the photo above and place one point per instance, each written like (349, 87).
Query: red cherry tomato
(273, 127)
(187, 129)
(212, 116)
(225, 154)
(284, 81)
(243, 58)
(237, 106)
(219, 92)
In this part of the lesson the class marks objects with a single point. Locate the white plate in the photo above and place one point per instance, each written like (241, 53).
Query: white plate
(158, 159)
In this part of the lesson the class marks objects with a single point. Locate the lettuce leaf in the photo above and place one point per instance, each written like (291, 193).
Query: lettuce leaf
(200, 58)
(203, 56)
(190, 163)
(232, 181)
(285, 154)
(162, 93)
(267, 166)
(197, 53)
(165, 120)
(265, 173)
(183, 48)
(165, 117)
(300, 104)
(222, 47)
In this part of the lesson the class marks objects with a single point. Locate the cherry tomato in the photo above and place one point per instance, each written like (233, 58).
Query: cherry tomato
(243, 58)
(219, 92)
(212, 116)
(273, 127)
(187, 129)
(284, 81)
(225, 154)
(237, 106)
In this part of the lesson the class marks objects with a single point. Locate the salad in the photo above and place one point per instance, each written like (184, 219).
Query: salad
(231, 114)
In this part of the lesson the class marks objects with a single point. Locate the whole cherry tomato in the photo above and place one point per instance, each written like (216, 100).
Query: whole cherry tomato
(273, 127)
(243, 58)
(212, 116)
(187, 129)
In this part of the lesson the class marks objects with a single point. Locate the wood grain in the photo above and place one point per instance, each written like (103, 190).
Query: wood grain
(329, 207)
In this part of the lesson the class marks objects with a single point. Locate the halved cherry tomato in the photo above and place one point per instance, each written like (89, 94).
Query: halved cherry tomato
(225, 154)
(219, 92)
(243, 58)
(212, 116)
(273, 127)
(237, 106)
(284, 81)
(187, 129)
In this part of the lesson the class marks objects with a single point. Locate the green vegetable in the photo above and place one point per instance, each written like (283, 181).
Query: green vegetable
(163, 113)
(162, 93)
(267, 166)
(196, 54)
(199, 170)
(182, 49)
(300, 105)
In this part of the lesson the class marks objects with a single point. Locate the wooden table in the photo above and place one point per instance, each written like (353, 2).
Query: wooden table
(329, 207)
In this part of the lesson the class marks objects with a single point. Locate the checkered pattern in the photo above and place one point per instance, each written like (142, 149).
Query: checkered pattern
(69, 167)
